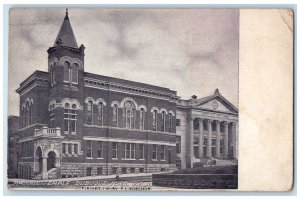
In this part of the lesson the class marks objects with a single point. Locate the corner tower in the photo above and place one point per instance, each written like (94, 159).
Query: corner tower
(66, 72)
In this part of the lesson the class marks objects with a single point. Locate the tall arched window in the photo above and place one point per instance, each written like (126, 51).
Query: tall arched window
(142, 118)
(115, 115)
(89, 112)
(100, 113)
(75, 73)
(170, 122)
(129, 114)
(67, 71)
(30, 114)
(163, 117)
(155, 120)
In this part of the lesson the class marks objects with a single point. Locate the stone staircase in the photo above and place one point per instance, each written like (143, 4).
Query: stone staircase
(52, 174)
(224, 162)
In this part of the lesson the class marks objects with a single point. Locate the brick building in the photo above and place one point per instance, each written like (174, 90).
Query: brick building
(74, 123)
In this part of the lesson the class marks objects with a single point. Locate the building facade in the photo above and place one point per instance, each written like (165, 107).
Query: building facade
(74, 123)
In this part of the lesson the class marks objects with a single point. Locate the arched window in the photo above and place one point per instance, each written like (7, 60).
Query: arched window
(115, 115)
(142, 118)
(130, 109)
(170, 122)
(163, 117)
(30, 114)
(70, 118)
(100, 113)
(155, 120)
(27, 113)
(67, 71)
(89, 112)
(75, 73)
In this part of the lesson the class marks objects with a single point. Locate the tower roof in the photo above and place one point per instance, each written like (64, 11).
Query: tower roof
(65, 35)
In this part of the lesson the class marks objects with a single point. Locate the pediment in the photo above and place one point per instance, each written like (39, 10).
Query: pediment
(217, 104)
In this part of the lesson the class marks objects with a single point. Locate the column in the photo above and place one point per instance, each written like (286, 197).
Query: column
(200, 137)
(44, 173)
(209, 138)
(190, 143)
(218, 139)
(233, 142)
(226, 139)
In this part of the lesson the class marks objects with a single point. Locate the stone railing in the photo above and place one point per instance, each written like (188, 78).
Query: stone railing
(48, 132)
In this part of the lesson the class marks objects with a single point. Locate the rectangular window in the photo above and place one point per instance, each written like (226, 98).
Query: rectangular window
(142, 151)
(76, 148)
(89, 149)
(129, 151)
(213, 142)
(154, 151)
(70, 118)
(163, 152)
(70, 148)
(177, 122)
(99, 149)
(114, 150)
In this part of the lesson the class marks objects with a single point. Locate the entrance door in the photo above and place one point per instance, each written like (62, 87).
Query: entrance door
(51, 160)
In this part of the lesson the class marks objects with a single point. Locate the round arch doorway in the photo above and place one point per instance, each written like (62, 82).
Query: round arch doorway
(51, 160)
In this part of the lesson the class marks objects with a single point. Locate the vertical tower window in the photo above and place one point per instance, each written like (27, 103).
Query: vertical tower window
(99, 149)
(100, 113)
(115, 115)
(66, 71)
(163, 116)
(155, 120)
(142, 118)
(170, 122)
(142, 151)
(90, 112)
(70, 118)
(154, 152)
(74, 73)
(130, 110)
(114, 150)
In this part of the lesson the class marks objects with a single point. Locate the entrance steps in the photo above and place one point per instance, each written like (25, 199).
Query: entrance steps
(52, 174)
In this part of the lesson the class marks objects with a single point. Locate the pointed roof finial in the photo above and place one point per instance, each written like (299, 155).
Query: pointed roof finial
(217, 92)
(67, 16)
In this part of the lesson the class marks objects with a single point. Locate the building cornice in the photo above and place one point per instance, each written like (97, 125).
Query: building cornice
(117, 87)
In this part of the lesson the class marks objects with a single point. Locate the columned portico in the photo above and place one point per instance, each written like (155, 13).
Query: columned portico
(219, 134)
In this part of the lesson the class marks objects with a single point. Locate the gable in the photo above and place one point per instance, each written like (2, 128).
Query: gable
(216, 104)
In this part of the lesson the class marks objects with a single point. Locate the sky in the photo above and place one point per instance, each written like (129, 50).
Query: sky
(191, 51)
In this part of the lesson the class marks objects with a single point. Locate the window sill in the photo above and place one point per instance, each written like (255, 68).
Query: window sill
(115, 159)
(66, 132)
(73, 133)
(154, 160)
(128, 159)
(100, 158)
(163, 160)
(142, 159)
(90, 158)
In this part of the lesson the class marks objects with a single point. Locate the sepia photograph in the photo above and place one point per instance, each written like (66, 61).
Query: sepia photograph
(123, 99)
